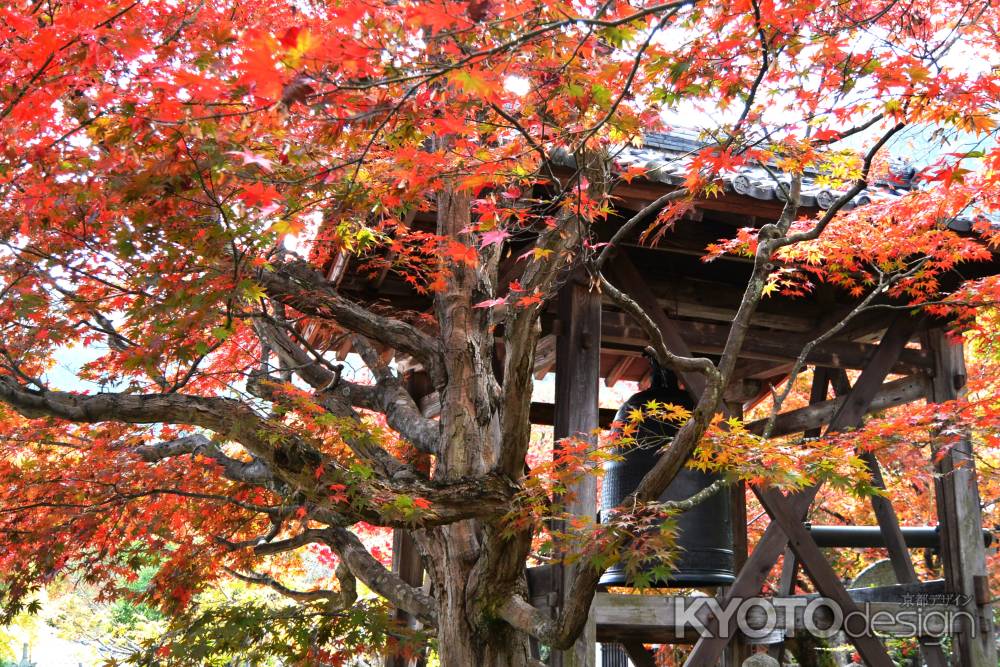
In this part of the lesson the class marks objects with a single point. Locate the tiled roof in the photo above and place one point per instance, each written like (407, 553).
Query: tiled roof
(666, 157)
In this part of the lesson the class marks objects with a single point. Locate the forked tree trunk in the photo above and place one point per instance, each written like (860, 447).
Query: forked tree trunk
(459, 644)
(464, 637)
(471, 439)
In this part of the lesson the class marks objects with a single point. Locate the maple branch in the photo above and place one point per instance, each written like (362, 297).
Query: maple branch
(308, 536)
(525, 38)
(298, 356)
(765, 64)
(387, 396)
(299, 285)
(251, 472)
(860, 184)
(338, 600)
(647, 214)
(521, 332)
(626, 88)
(365, 567)
(663, 355)
(392, 399)
(356, 562)
(292, 460)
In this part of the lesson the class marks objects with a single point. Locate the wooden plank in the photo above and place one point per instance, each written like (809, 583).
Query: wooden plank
(890, 394)
(817, 394)
(631, 283)
(738, 504)
(708, 338)
(821, 572)
(789, 570)
(899, 555)
(789, 565)
(739, 649)
(847, 415)
(654, 619)
(960, 515)
(858, 401)
(578, 346)
(786, 586)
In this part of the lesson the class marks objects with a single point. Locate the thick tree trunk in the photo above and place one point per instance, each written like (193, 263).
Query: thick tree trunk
(471, 438)
(461, 644)
(465, 636)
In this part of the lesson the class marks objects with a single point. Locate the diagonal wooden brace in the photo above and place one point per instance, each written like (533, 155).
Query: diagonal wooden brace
(821, 572)
(888, 521)
(709, 648)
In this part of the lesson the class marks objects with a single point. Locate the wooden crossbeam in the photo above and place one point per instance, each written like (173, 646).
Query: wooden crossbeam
(653, 619)
(898, 392)
(707, 338)
(848, 414)
(761, 345)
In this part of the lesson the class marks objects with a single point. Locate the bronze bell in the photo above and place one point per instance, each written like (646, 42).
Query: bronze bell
(704, 532)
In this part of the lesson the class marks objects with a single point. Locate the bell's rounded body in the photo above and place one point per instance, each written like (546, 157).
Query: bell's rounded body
(704, 532)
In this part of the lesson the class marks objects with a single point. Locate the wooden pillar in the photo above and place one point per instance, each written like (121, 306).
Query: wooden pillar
(407, 563)
(960, 517)
(578, 347)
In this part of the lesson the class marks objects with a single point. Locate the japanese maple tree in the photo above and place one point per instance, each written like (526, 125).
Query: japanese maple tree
(175, 176)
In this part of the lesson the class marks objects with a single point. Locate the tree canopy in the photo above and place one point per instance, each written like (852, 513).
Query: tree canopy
(182, 182)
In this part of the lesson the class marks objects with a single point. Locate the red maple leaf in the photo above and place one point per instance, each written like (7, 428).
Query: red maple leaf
(259, 195)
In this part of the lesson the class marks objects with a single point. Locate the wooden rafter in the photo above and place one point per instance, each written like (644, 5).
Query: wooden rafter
(618, 370)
